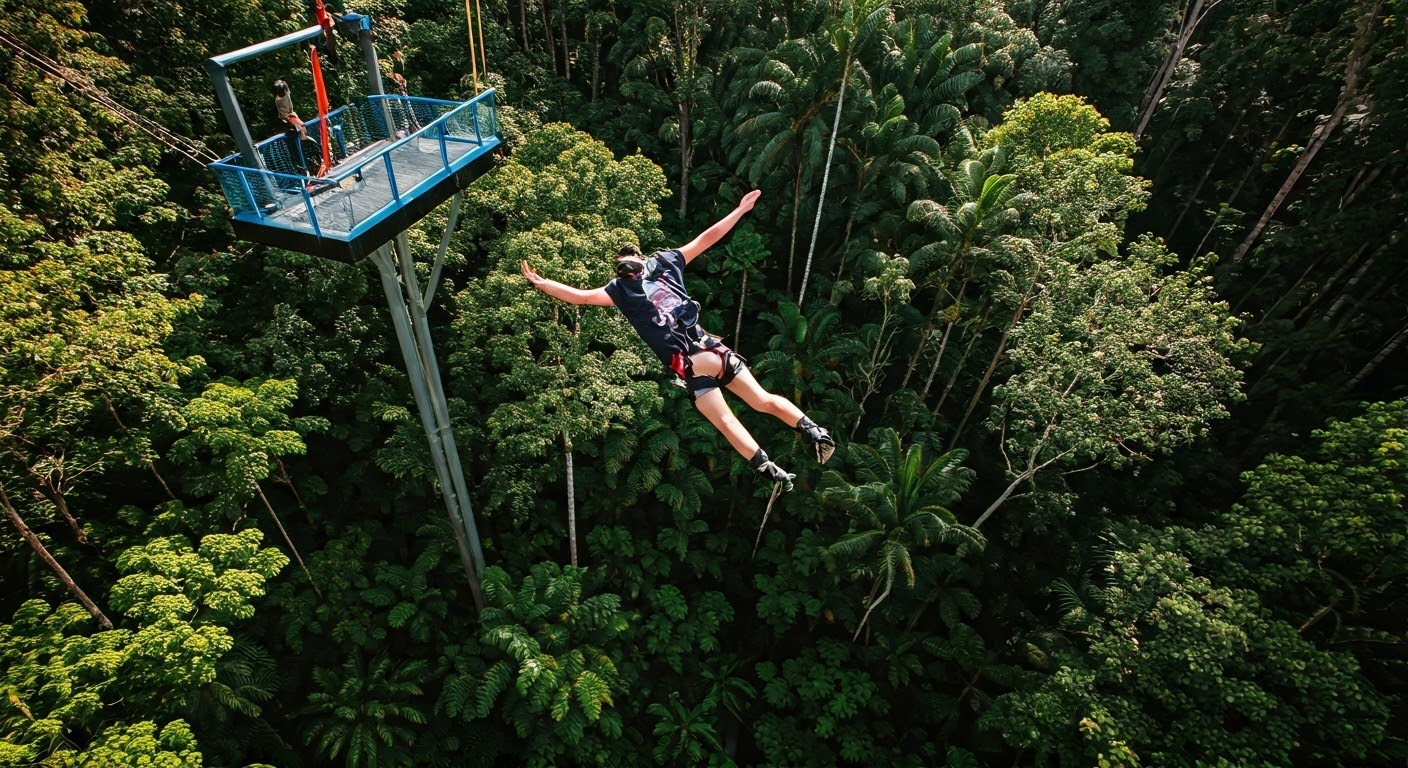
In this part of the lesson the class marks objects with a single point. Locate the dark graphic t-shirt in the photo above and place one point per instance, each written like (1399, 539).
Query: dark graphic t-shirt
(657, 306)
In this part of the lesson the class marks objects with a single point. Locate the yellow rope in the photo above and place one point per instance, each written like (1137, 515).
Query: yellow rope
(483, 52)
(473, 58)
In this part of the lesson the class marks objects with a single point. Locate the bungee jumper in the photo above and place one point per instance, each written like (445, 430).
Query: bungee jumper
(650, 293)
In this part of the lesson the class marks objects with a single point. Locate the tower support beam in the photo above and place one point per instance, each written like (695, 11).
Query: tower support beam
(403, 295)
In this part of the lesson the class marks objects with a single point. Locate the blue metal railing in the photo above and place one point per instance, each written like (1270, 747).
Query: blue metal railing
(411, 127)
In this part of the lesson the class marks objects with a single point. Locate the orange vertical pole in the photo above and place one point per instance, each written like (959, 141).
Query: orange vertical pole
(322, 94)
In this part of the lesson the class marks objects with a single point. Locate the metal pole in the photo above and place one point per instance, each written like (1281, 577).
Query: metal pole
(444, 247)
(421, 325)
(234, 116)
(396, 298)
(374, 84)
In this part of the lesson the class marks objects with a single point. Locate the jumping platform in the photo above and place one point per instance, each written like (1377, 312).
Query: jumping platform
(398, 157)
(383, 162)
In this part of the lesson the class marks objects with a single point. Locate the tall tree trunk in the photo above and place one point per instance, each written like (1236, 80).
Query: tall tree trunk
(956, 265)
(1193, 15)
(845, 248)
(44, 554)
(547, 36)
(738, 324)
(796, 204)
(967, 352)
(1246, 175)
(287, 540)
(596, 65)
(1207, 173)
(683, 110)
(52, 490)
(1333, 282)
(523, 24)
(1328, 316)
(571, 498)
(566, 53)
(992, 367)
(825, 178)
(112, 411)
(1353, 282)
(1392, 345)
(1349, 96)
(874, 601)
(943, 345)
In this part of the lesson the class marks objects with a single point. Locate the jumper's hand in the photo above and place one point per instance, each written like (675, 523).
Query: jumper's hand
(746, 204)
(533, 277)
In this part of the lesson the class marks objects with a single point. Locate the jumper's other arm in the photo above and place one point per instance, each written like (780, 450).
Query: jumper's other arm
(596, 297)
(720, 228)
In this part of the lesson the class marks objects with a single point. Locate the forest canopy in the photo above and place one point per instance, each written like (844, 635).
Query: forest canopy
(1102, 303)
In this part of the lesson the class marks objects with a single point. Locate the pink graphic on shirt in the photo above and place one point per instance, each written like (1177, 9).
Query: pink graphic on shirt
(665, 302)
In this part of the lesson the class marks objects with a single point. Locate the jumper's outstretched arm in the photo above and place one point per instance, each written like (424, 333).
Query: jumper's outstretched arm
(720, 228)
(596, 297)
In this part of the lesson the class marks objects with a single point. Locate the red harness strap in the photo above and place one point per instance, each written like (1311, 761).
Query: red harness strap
(683, 366)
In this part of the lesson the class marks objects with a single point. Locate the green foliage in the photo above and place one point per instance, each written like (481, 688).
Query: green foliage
(1324, 531)
(170, 746)
(167, 578)
(676, 630)
(1062, 151)
(686, 734)
(545, 674)
(1119, 360)
(840, 701)
(179, 603)
(237, 435)
(973, 270)
(900, 506)
(364, 711)
(1246, 687)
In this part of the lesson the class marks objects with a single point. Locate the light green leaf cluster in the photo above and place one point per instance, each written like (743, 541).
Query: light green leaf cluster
(1163, 637)
(85, 382)
(1117, 360)
(1078, 171)
(236, 432)
(140, 745)
(167, 578)
(180, 602)
(1330, 524)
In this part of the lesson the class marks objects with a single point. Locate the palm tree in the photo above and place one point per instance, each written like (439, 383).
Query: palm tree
(901, 504)
(982, 210)
(801, 351)
(782, 92)
(852, 32)
(364, 712)
(915, 100)
(931, 74)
